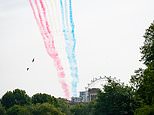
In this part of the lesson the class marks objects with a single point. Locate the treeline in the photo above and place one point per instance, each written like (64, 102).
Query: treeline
(18, 102)
(115, 98)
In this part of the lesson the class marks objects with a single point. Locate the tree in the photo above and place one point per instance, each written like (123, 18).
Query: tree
(146, 88)
(137, 79)
(79, 109)
(147, 50)
(83, 108)
(115, 99)
(145, 110)
(42, 98)
(63, 105)
(8, 99)
(18, 97)
(143, 80)
(2, 110)
(46, 109)
(21, 98)
(18, 110)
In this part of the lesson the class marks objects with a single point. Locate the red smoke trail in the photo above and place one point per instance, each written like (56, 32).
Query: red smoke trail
(52, 53)
(37, 20)
(65, 88)
(49, 42)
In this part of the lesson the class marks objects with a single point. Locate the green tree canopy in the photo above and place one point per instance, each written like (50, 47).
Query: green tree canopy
(145, 110)
(46, 109)
(143, 80)
(42, 98)
(63, 105)
(18, 97)
(18, 110)
(78, 109)
(115, 99)
(147, 50)
(2, 110)
(8, 99)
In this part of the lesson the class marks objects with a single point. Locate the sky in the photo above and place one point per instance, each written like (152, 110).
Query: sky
(109, 34)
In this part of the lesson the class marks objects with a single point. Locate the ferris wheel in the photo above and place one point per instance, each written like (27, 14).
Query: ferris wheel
(97, 83)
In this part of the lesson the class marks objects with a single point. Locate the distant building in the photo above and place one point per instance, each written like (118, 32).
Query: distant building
(86, 96)
(76, 99)
(83, 96)
(91, 90)
(92, 94)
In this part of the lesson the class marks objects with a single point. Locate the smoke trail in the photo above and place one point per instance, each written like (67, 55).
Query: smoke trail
(75, 72)
(72, 24)
(55, 16)
(54, 54)
(37, 20)
(49, 42)
(70, 43)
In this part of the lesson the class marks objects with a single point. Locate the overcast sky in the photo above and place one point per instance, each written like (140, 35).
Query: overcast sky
(108, 32)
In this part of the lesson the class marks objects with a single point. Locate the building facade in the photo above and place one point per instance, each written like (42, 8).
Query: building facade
(86, 96)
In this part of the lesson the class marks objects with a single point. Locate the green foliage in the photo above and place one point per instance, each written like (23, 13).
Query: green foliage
(18, 97)
(2, 110)
(19, 103)
(41, 98)
(63, 106)
(145, 110)
(116, 99)
(83, 108)
(21, 98)
(37, 109)
(78, 109)
(146, 89)
(8, 99)
(18, 110)
(143, 80)
(137, 79)
(143, 84)
(90, 108)
(147, 49)
(46, 109)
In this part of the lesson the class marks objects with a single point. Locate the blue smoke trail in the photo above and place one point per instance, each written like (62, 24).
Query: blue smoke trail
(75, 74)
(70, 43)
(72, 24)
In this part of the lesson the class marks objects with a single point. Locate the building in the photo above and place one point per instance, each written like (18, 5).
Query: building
(92, 94)
(76, 99)
(83, 96)
(86, 96)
